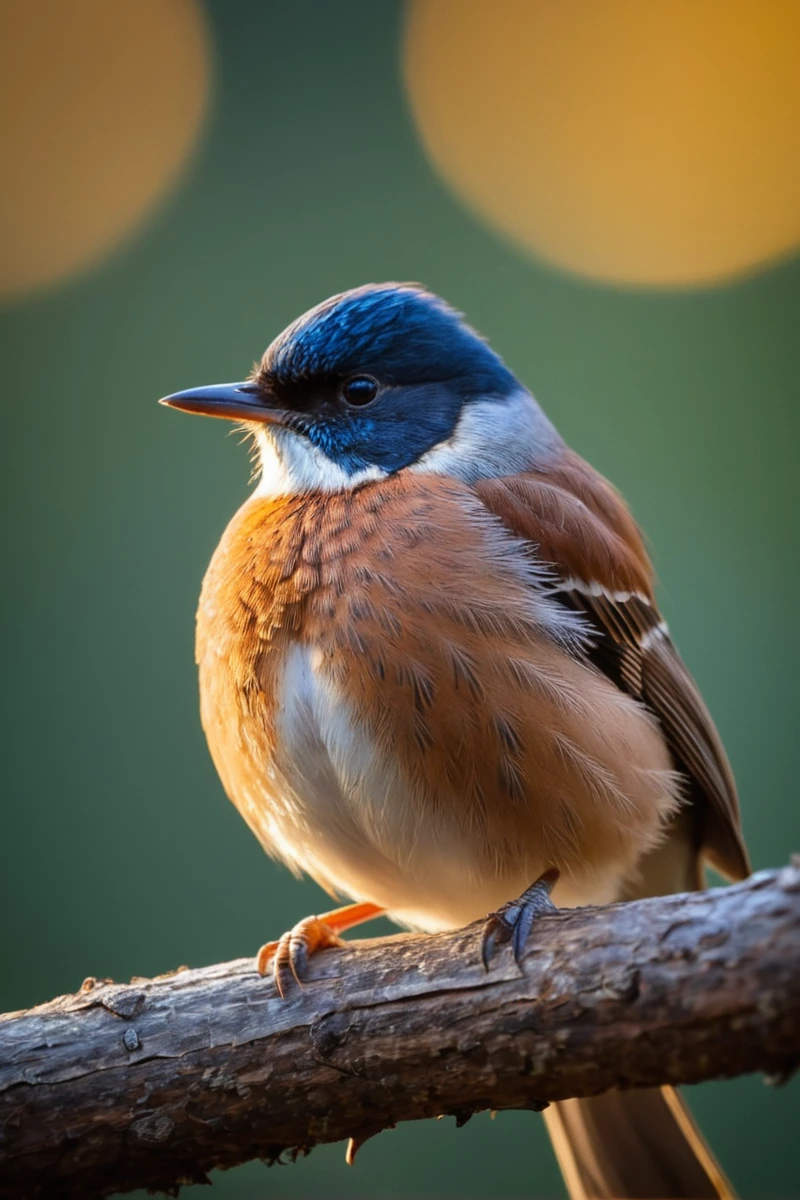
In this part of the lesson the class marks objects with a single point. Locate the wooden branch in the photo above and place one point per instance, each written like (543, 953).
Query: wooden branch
(153, 1083)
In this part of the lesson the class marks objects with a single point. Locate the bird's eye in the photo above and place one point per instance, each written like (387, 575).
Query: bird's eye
(360, 390)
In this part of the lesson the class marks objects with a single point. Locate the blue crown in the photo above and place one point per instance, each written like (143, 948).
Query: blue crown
(399, 331)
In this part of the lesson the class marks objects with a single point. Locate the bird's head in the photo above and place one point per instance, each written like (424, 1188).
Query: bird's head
(375, 380)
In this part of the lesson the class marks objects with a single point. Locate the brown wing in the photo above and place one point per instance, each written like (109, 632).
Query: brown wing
(577, 522)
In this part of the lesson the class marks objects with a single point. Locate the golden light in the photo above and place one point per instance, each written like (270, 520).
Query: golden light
(646, 142)
(102, 101)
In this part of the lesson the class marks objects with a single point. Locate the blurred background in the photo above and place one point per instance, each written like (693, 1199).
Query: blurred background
(610, 191)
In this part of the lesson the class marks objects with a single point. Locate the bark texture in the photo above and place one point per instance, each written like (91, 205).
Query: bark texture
(155, 1082)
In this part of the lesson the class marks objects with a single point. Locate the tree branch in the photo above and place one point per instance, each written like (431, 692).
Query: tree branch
(153, 1083)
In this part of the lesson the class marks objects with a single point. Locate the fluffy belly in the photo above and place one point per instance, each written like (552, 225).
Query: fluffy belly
(333, 804)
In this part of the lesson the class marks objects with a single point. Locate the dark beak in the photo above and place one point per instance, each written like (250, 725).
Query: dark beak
(232, 401)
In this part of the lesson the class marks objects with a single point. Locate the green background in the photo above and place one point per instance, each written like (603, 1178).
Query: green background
(119, 853)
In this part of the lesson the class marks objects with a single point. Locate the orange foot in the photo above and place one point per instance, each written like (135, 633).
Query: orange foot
(290, 954)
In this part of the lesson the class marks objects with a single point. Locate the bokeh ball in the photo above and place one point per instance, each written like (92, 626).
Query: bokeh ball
(640, 143)
(101, 105)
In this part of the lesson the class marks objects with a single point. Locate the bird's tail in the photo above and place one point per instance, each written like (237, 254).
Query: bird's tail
(641, 1144)
(636, 1145)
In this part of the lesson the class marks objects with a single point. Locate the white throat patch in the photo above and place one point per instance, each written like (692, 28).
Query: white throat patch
(291, 465)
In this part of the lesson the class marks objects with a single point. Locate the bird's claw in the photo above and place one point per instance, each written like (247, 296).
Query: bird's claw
(288, 956)
(513, 922)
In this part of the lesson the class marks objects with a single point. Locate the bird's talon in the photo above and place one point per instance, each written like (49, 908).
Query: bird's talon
(288, 957)
(513, 922)
(496, 932)
(265, 956)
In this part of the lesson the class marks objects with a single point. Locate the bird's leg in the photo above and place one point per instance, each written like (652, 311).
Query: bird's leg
(512, 923)
(289, 955)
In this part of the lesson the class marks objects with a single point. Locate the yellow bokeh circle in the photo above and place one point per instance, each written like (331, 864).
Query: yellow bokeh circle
(101, 102)
(646, 142)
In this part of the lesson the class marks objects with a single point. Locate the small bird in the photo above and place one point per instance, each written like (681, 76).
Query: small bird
(434, 676)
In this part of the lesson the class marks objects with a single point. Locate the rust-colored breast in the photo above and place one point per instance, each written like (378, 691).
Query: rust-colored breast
(453, 671)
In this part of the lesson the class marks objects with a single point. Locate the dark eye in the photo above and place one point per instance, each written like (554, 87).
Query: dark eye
(360, 390)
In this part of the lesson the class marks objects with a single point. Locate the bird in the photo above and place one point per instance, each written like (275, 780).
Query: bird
(434, 676)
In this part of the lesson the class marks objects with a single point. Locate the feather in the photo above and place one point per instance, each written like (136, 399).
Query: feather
(577, 525)
(435, 733)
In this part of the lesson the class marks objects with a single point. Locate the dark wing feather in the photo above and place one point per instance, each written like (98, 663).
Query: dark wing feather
(669, 690)
(580, 526)
(632, 646)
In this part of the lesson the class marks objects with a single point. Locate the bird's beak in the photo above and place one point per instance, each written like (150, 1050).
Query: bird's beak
(232, 401)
